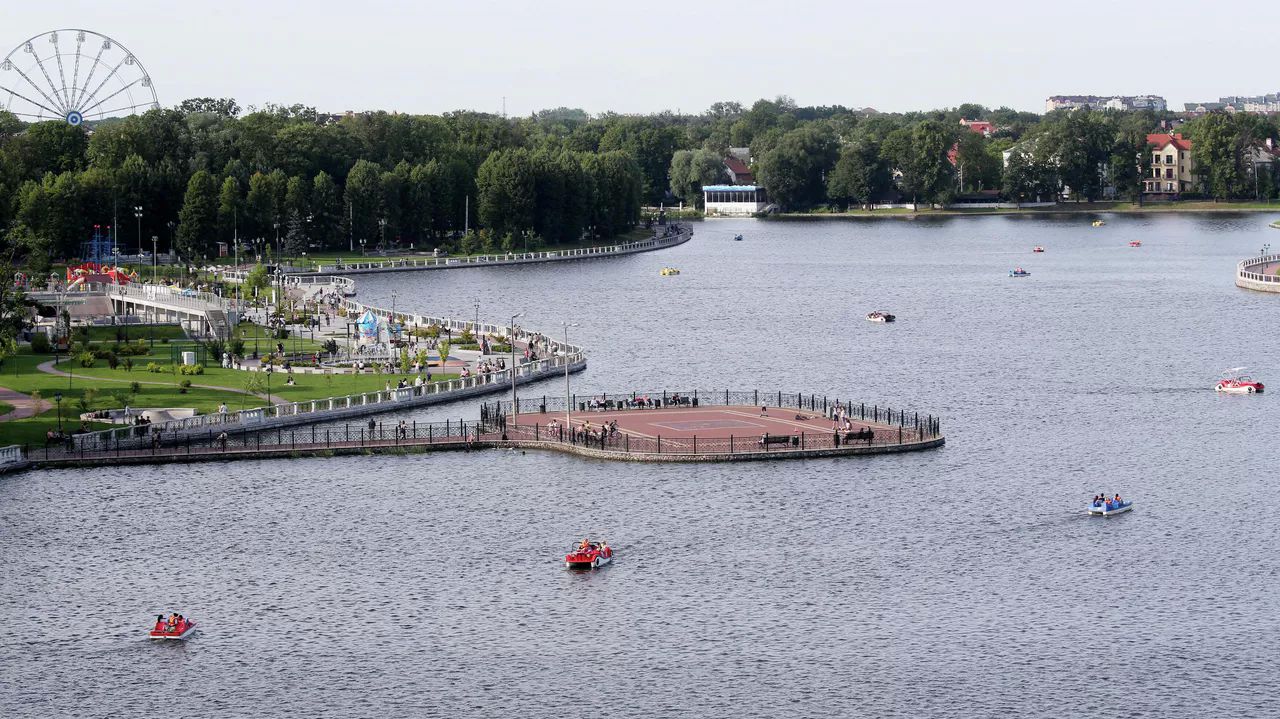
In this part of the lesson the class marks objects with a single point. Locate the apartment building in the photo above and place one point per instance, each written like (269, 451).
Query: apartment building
(1172, 167)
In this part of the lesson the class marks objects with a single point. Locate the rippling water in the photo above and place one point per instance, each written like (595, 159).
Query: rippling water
(962, 582)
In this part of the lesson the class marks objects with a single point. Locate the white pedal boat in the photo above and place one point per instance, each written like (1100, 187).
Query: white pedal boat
(1106, 509)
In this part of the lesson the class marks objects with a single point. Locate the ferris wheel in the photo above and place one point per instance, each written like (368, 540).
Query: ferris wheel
(74, 75)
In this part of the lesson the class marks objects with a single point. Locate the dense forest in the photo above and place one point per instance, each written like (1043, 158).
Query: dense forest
(204, 172)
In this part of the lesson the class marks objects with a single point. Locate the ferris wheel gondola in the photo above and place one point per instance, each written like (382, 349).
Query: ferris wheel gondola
(87, 78)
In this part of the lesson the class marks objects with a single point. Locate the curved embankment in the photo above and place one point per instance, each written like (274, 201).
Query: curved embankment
(1259, 273)
(672, 235)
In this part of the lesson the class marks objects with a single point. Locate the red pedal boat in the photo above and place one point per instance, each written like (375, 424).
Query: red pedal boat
(183, 631)
(592, 557)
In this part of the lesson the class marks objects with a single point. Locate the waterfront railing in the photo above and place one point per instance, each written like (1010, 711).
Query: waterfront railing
(1246, 269)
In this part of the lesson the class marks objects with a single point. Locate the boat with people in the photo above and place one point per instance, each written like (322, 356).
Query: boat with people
(668, 271)
(1099, 223)
(880, 316)
(175, 627)
(1101, 506)
(1233, 382)
(1135, 243)
(1019, 272)
(737, 238)
(589, 555)
(1037, 249)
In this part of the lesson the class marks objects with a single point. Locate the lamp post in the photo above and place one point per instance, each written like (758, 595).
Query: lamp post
(476, 326)
(137, 213)
(155, 266)
(276, 225)
(57, 398)
(173, 234)
(382, 225)
(268, 385)
(362, 241)
(568, 406)
(515, 408)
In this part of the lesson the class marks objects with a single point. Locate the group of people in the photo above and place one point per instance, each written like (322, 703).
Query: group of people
(175, 624)
(1101, 499)
(587, 545)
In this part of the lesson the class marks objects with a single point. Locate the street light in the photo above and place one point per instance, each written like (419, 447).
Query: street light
(515, 408)
(155, 267)
(567, 404)
(362, 241)
(268, 385)
(173, 234)
(382, 224)
(476, 326)
(57, 397)
(137, 213)
(276, 225)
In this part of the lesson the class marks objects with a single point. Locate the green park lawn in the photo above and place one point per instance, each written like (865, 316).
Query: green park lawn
(113, 389)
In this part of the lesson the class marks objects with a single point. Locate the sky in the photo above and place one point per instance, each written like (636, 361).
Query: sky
(640, 57)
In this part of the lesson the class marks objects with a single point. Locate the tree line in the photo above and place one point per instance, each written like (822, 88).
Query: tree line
(834, 157)
(291, 178)
(205, 172)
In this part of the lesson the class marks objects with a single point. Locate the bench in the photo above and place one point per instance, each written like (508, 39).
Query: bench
(865, 433)
(767, 440)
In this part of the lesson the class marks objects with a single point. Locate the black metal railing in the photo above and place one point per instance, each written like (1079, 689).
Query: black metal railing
(492, 412)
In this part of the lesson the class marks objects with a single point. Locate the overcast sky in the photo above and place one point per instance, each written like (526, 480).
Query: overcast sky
(431, 57)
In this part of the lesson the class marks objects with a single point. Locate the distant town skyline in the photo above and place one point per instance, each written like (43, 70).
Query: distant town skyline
(380, 55)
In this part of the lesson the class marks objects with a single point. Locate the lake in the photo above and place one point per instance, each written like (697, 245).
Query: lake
(965, 581)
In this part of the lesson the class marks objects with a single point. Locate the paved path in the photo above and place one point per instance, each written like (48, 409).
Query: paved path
(23, 405)
(48, 368)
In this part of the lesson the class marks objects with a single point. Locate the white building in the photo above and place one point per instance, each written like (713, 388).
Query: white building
(733, 200)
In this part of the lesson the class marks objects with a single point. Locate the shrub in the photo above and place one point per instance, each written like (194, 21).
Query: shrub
(86, 359)
(190, 369)
(183, 386)
(467, 337)
(112, 360)
(135, 388)
(164, 340)
(128, 365)
(281, 334)
(153, 367)
(236, 347)
(40, 343)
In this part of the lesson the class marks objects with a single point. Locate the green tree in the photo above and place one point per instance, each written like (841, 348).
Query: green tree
(326, 212)
(691, 170)
(794, 170)
(198, 220)
(919, 153)
(364, 198)
(230, 208)
(859, 175)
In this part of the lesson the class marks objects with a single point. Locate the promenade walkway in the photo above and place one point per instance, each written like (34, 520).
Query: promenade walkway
(657, 427)
(23, 405)
(1261, 273)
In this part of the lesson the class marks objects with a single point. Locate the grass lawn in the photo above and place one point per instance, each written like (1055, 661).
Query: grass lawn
(29, 380)
(297, 342)
(113, 334)
(111, 389)
(5, 408)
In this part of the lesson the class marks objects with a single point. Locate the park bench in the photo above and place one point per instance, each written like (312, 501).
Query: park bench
(767, 440)
(865, 433)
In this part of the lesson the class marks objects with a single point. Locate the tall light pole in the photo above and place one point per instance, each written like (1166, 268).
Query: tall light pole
(173, 234)
(515, 408)
(276, 225)
(476, 326)
(155, 267)
(57, 397)
(137, 213)
(382, 225)
(568, 406)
